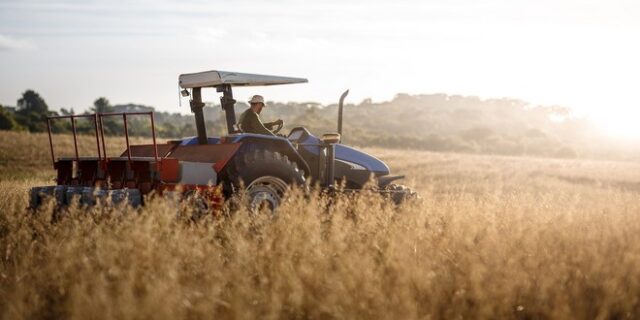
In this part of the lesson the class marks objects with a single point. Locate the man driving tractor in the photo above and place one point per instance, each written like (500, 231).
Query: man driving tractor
(250, 122)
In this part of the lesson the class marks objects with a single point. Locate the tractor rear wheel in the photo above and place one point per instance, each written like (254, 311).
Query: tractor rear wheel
(266, 176)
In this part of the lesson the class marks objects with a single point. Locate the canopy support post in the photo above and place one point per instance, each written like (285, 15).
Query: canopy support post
(196, 107)
(228, 105)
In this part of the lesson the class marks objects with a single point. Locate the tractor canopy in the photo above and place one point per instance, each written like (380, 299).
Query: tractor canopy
(215, 78)
(223, 81)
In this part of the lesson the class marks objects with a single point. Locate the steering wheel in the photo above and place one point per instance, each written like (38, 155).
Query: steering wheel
(278, 127)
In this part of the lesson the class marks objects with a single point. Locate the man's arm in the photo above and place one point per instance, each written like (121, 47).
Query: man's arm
(272, 124)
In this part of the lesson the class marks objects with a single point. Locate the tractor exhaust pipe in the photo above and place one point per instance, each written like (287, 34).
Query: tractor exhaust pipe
(340, 106)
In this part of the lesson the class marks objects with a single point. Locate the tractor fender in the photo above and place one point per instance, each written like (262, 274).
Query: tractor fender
(251, 142)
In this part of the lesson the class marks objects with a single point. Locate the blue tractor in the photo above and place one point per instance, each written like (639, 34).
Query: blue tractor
(266, 165)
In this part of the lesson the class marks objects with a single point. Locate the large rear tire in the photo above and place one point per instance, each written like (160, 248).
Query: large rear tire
(265, 175)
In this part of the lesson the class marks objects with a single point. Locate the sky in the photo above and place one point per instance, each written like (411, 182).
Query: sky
(580, 54)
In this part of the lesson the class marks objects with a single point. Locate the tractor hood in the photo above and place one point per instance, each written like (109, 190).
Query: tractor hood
(357, 158)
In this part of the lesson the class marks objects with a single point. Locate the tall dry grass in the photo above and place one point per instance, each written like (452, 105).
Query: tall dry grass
(492, 237)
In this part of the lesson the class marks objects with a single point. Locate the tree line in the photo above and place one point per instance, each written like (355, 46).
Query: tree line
(434, 122)
(31, 112)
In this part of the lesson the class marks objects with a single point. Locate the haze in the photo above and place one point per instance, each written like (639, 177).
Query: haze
(579, 54)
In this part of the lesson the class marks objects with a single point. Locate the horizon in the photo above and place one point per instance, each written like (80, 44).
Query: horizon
(568, 53)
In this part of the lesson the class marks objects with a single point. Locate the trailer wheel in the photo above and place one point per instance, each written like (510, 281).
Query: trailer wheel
(266, 176)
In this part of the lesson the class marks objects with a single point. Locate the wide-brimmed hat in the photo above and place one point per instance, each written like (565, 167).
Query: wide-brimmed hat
(257, 99)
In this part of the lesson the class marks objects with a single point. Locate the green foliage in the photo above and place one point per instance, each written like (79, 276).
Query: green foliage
(31, 102)
(8, 121)
(110, 125)
(101, 105)
(32, 111)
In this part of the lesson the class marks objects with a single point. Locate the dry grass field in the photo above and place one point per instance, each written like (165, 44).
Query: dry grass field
(492, 237)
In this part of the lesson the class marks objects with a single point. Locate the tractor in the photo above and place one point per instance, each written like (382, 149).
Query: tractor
(215, 168)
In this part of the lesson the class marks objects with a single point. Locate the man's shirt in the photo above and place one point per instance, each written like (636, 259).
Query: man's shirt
(250, 123)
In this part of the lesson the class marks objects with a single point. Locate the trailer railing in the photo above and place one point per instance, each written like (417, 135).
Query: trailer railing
(126, 131)
(73, 118)
(98, 127)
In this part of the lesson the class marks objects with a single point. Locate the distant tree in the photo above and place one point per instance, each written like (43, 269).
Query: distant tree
(366, 102)
(131, 108)
(7, 121)
(110, 125)
(32, 111)
(102, 105)
(401, 97)
(32, 103)
(187, 130)
(477, 133)
(168, 130)
(66, 112)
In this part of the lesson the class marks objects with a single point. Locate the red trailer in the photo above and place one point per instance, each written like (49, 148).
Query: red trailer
(138, 171)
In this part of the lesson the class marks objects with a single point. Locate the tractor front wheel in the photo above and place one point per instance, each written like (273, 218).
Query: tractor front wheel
(400, 193)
